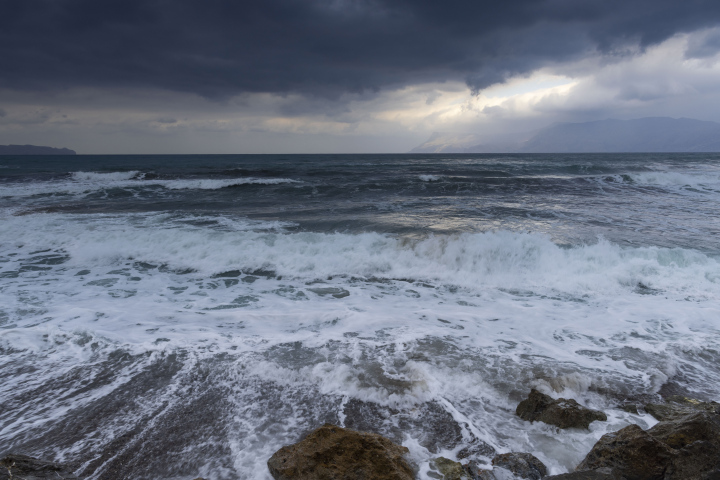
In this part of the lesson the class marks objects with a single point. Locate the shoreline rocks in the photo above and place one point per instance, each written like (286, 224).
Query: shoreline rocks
(28, 468)
(334, 452)
(678, 407)
(563, 413)
(684, 448)
(505, 466)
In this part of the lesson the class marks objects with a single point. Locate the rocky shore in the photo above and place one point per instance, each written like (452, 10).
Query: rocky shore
(683, 445)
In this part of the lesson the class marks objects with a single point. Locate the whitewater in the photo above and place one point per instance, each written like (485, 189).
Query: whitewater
(170, 317)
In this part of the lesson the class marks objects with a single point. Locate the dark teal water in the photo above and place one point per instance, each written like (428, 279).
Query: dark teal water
(632, 199)
(175, 317)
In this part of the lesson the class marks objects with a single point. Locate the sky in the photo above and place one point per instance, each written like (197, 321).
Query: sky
(342, 76)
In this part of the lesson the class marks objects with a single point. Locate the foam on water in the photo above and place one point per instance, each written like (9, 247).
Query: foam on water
(429, 178)
(99, 177)
(465, 322)
(82, 183)
(177, 343)
(214, 184)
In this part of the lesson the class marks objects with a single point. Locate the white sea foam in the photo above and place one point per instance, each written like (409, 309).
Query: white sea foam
(105, 177)
(676, 179)
(214, 184)
(499, 259)
(461, 320)
(82, 183)
(429, 178)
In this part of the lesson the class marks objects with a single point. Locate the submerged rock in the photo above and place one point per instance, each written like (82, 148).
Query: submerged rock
(332, 452)
(601, 474)
(523, 465)
(450, 470)
(629, 408)
(430, 423)
(563, 413)
(477, 448)
(28, 468)
(507, 466)
(679, 406)
(686, 448)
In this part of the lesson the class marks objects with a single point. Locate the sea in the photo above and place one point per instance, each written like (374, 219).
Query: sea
(184, 316)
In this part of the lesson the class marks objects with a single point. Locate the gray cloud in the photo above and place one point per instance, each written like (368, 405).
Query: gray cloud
(705, 45)
(222, 48)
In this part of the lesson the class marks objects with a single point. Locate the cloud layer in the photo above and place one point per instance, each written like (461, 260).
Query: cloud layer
(221, 48)
(225, 76)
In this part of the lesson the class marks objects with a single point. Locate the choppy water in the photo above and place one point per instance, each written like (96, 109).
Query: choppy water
(180, 316)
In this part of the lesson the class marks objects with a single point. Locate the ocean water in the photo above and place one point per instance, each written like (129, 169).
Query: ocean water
(169, 317)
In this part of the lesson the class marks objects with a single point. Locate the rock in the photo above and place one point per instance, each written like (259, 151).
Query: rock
(629, 408)
(563, 413)
(601, 474)
(687, 448)
(433, 427)
(476, 449)
(696, 439)
(474, 472)
(332, 452)
(28, 468)
(630, 452)
(523, 465)
(679, 406)
(449, 469)
(508, 466)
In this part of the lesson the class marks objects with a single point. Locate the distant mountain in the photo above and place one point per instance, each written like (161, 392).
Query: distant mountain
(472, 143)
(653, 134)
(34, 150)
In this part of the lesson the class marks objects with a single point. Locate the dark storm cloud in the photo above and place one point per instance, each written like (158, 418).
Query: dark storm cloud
(218, 48)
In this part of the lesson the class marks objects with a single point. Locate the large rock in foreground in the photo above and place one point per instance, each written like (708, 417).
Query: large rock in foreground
(687, 448)
(563, 413)
(28, 468)
(332, 452)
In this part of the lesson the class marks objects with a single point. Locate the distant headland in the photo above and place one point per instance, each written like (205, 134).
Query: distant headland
(34, 150)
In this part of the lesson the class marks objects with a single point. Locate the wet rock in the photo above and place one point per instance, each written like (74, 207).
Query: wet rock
(523, 465)
(332, 452)
(601, 474)
(678, 406)
(630, 452)
(686, 448)
(696, 440)
(508, 466)
(371, 417)
(629, 408)
(431, 425)
(474, 472)
(700, 426)
(476, 449)
(435, 427)
(28, 468)
(563, 413)
(449, 470)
